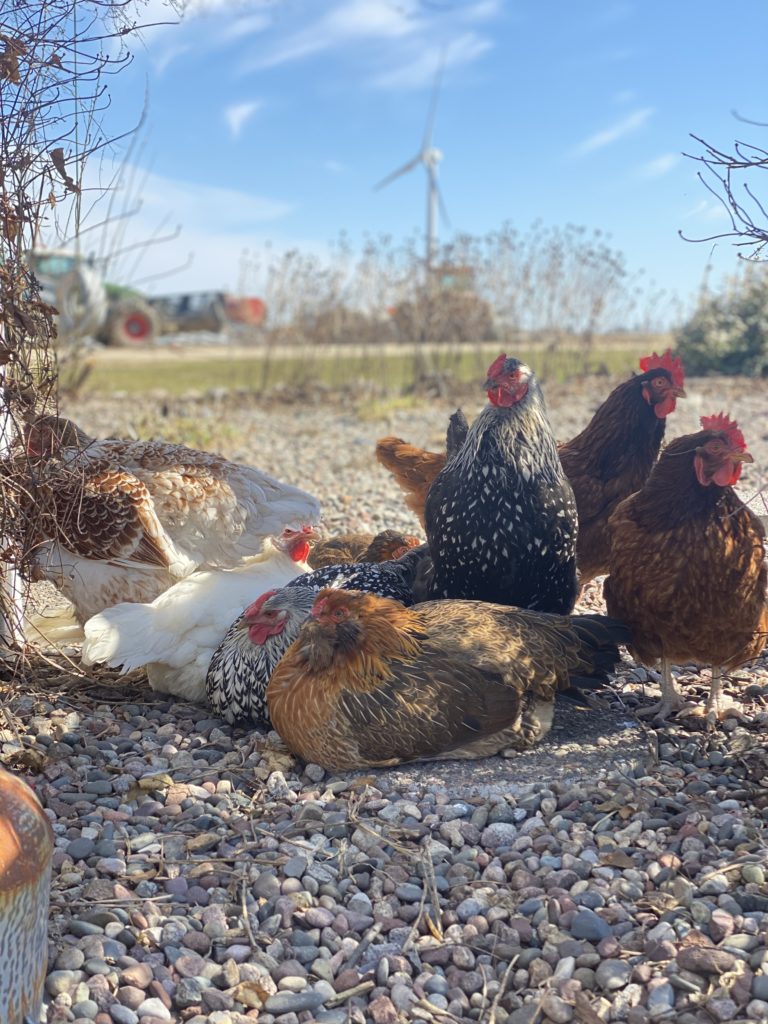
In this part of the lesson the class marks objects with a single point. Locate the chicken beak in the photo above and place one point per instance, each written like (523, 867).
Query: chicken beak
(242, 623)
(741, 457)
(679, 392)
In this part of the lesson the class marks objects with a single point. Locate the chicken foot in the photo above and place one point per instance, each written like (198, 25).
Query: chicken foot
(671, 698)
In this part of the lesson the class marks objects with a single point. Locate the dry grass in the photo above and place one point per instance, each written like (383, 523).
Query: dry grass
(394, 371)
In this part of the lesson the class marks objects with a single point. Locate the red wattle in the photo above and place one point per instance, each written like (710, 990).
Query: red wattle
(665, 407)
(260, 632)
(728, 474)
(300, 551)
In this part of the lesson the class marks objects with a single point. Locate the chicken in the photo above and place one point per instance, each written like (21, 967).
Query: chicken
(609, 460)
(242, 664)
(612, 457)
(395, 578)
(501, 517)
(176, 635)
(414, 468)
(687, 572)
(26, 849)
(124, 520)
(369, 683)
(245, 659)
(361, 547)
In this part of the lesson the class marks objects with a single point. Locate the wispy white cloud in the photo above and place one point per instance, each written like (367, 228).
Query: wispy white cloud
(239, 114)
(166, 55)
(629, 124)
(706, 210)
(241, 28)
(352, 20)
(402, 41)
(216, 225)
(659, 166)
(420, 70)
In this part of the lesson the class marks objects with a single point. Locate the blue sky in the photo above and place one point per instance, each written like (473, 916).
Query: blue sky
(273, 119)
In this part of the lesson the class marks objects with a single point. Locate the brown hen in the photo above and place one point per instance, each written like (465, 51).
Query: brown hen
(370, 683)
(612, 457)
(361, 547)
(415, 469)
(687, 563)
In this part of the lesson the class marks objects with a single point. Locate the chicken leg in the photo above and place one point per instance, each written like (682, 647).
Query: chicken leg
(717, 703)
(671, 699)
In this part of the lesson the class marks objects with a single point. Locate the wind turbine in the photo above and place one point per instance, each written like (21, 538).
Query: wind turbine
(429, 156)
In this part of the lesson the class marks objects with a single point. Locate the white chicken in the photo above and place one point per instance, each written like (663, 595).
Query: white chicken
(176, 635)
(124, 520)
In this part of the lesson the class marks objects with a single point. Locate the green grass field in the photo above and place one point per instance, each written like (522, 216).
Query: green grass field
(189, 370)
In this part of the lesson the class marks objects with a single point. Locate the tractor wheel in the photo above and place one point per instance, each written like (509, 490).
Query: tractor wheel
(131, 323)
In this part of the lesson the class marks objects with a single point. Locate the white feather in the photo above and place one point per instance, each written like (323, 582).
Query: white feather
(176, 635)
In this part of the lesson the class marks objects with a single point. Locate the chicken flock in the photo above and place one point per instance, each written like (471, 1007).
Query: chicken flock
(365, 651)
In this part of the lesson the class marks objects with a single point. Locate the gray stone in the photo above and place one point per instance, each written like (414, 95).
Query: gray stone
(587, 925)
(613, 974)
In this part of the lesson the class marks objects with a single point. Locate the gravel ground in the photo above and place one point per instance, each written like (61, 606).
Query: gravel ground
(615, 873)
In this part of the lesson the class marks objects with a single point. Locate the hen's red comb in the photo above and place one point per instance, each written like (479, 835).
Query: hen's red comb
(673, 364)
(255, 608)
(729, 427)
(496, 366)
(318, 607)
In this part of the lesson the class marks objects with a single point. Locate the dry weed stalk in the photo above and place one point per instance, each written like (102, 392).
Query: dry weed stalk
(551, 287)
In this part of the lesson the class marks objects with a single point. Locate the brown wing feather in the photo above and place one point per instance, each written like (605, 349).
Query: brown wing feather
(431, 706)
(105, 513)
(413, 468)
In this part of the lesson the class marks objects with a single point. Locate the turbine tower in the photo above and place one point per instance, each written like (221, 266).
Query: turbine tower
(429, 156)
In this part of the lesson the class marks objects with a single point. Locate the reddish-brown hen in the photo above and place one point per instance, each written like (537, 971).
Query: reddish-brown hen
(370, 683)
(361, 547)
(612, 457)
(687, 562)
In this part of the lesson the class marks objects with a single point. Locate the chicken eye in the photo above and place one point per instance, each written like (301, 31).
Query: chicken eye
(659, 382)
(338, 614)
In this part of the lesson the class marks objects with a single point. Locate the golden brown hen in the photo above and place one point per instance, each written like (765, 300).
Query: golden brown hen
(370, 683)
(415, 469)
(361, 547)
(687, 562)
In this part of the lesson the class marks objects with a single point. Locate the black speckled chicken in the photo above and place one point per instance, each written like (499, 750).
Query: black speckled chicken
(501, 516)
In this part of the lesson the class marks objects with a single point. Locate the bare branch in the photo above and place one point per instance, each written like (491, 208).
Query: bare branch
(722, 176)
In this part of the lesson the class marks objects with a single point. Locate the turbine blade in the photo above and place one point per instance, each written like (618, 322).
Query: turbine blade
(430, 123)
(396, 174)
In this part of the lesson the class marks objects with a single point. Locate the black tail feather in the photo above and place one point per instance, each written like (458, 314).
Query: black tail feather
(456, 435)
(601, 637)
